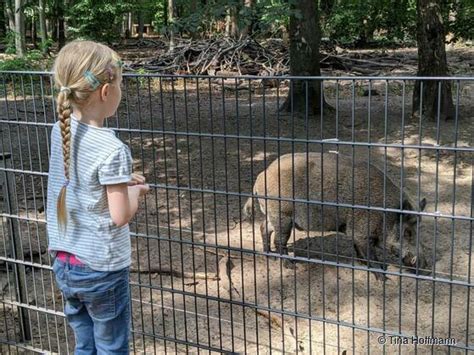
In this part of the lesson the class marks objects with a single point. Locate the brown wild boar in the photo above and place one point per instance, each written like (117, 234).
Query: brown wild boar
(287, 178)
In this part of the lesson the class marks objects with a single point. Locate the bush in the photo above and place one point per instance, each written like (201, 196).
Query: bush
(9, 42)
(15, 64)
(33, 60)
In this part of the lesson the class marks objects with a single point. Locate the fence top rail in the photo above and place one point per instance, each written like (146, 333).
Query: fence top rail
(251, 77)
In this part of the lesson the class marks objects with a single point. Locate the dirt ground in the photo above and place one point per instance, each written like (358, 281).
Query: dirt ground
(191, 221)
(338, 295)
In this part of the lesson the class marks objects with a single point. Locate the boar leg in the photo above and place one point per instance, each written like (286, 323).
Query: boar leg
(283, 228)
(371, 259)
(266, 230)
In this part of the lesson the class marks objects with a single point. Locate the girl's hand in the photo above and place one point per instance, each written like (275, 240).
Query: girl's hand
(137, 179)
(142, 189)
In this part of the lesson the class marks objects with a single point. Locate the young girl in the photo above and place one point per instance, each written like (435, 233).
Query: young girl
(92, 195)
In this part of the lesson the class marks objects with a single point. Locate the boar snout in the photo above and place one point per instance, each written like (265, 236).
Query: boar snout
(412, 262)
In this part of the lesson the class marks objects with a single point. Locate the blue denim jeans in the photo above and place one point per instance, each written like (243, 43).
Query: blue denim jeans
(97, 307)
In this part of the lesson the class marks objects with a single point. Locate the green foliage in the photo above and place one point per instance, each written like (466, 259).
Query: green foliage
(9, 42)
(46, 46)
(142, 81)
(33, 60)
(159, 11)
(273, 15)
(99, 20)
(34, 55)
(389, 21)
(266, 16)
(347, 22)
(15, 64)
(460, 23)
(351, 21)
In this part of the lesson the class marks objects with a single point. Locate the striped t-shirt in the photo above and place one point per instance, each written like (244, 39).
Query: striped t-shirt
(97, 158)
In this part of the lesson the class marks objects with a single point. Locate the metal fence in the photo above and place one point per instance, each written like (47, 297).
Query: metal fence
(202, 277)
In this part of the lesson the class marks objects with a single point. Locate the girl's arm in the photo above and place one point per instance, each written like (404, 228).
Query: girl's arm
(123, 201)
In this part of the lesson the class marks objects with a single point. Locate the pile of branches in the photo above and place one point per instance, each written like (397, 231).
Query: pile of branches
(270, 57)
(218, 56)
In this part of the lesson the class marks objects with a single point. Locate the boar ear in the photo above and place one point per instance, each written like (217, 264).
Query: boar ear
(422, 204)
(408, 218)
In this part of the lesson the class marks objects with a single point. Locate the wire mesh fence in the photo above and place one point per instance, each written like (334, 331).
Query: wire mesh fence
(328, 249)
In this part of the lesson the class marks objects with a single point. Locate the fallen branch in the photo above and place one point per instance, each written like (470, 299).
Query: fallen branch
(224, 271)
(184, 275)
(288, 331)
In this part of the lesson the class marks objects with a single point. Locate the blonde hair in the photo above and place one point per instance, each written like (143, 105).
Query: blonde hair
(80, 68)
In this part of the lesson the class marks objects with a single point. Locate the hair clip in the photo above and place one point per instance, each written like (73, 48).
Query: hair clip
(91, 78)
(110, 72)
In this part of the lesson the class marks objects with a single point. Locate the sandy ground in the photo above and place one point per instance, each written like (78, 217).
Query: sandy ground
(184, 226)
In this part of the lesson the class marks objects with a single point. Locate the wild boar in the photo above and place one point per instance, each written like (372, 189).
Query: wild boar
(335, 178)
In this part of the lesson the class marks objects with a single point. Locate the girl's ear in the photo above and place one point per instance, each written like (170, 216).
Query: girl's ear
(104, 92)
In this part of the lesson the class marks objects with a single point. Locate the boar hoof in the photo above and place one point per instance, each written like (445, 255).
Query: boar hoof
(380, 276)
(289, 264)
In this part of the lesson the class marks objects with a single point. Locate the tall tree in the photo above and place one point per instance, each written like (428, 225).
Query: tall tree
(231, 22)
(20, 44)
(193, 8)
(42, 23)
(34, 35)
(141, 23)
(171, 19)
(3, 27)
(10, 10)
(305, 37)
(127, 25)
(60, 19)
(249, 18)
(140, 7)
(430, 34)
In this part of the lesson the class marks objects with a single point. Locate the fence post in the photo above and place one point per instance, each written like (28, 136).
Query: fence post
(14, 244)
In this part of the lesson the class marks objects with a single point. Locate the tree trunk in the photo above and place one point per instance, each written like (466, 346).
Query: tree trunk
(231, 23)
(125, 26)
(123, 30)
(43, 31)
(305, 37)
(3, 26)
(193, 9)
(19, 29)
(171, 16)
(432, 61)
(10, 10)
(34, 35)
(140, 23)
(54, 28)
(249, 20)
(165, 13)
(61, 32)
(130, 24)
(227, 23)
